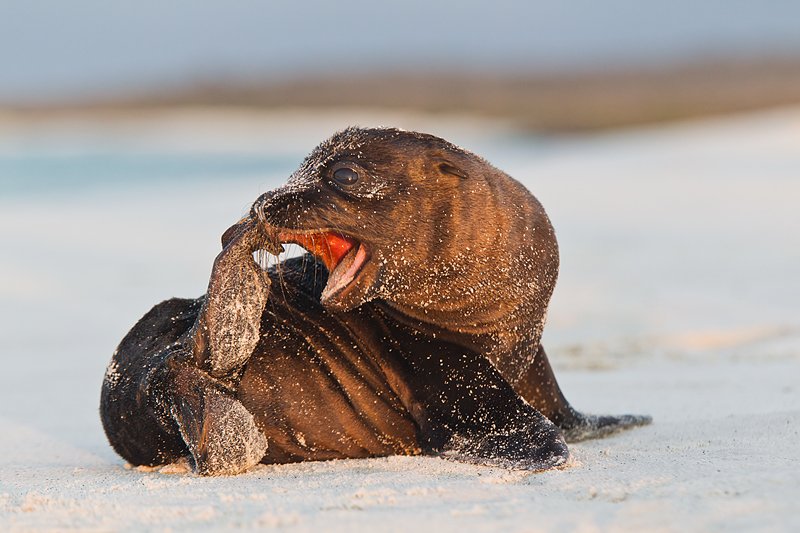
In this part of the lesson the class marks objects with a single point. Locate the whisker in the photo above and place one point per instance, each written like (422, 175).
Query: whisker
(281, 279)
(316, 266)
(332, 224)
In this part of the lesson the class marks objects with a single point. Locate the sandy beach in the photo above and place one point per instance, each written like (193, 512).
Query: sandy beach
(678, 297)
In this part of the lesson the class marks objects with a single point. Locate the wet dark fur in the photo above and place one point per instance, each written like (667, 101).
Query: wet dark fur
(433, 349)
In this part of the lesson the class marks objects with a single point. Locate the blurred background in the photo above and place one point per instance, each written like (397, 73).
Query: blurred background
(86, 82)
(545, 65)
(662, 137)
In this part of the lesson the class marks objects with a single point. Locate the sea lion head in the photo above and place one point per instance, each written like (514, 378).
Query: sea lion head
(431, 229)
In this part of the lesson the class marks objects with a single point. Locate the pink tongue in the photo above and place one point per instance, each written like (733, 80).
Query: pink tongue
(342, 277)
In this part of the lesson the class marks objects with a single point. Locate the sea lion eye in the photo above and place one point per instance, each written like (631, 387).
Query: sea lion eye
(345, 176)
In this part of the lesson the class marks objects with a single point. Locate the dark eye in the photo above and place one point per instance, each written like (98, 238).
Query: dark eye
(345, 176)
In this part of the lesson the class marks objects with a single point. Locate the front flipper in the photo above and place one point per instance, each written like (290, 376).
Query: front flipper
(467, 411)
(228, 326)
(219, 431)
(581, 426)
(539, 387)
(533, 443)
(169, 386)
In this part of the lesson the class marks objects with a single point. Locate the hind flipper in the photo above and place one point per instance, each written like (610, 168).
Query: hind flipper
(219, 431)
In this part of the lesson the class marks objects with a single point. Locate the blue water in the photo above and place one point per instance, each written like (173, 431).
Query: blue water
(52, 174)
(37, 169)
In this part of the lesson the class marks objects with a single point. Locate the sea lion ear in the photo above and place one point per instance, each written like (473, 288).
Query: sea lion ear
(448, 167)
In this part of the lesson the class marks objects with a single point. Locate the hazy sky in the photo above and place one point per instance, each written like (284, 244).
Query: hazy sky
(64, 48)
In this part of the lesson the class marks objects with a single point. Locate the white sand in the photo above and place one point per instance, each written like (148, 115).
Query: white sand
(679, 297)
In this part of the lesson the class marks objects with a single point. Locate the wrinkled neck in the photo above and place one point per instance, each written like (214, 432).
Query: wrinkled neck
(487, 287)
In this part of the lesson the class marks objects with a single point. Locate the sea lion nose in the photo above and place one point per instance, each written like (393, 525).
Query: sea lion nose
(280, 207)
(262, 206)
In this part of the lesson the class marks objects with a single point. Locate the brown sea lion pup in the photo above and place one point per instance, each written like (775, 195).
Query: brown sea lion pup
(412, 326)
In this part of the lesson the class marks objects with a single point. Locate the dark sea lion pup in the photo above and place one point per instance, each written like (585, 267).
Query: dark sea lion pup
(412, 326)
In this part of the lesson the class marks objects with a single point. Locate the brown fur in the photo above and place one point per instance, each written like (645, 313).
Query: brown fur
(427, 351)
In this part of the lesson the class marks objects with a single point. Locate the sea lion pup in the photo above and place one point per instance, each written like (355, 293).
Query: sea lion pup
(412, 326)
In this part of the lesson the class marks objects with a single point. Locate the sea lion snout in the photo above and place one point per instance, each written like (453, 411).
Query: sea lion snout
(272, 208)
(292, 205)
(296, 213)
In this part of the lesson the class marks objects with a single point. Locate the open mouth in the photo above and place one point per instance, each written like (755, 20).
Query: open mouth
(343, 256)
